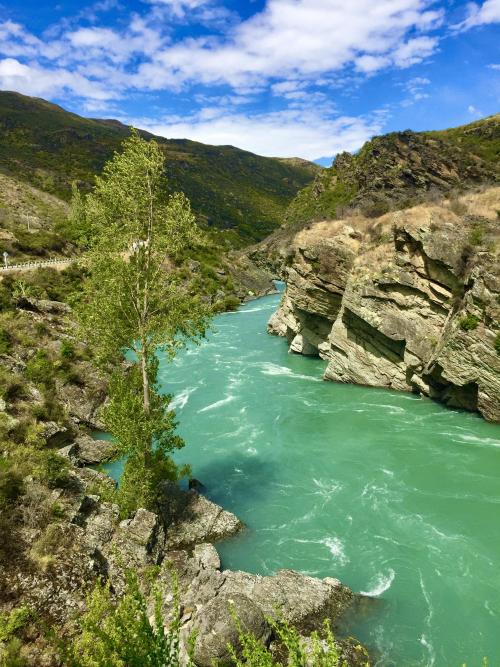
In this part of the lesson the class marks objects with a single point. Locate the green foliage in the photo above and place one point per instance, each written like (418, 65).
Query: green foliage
(11, 484)
(5, 342)
(132, 226)
(146, 438)
(68, 350)
(12, 622)
(476, 235)
(120, 634)
(320, 650)
(229, 302)
(53, 470)
(40, 368)
(469, 322)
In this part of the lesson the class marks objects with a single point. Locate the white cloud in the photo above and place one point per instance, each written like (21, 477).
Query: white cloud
(494, 66)
(301, 39)
(280, 134)
(474, 112)
(299, 51)
(289, 40)
(34, 80)
(416, 90)
(477, 14)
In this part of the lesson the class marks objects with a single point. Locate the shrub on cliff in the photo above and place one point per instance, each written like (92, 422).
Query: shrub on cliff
(124, 633)
(469, 322)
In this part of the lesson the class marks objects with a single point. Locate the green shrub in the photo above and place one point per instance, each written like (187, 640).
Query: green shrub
(121, 632)
(5, 341)
(12, 385)
(54, 470)
(40, 368)
(230, 302)
(476, 235)
(13, 621)
(11, 484)
(469, 322)
(319, 650)
(68, 350)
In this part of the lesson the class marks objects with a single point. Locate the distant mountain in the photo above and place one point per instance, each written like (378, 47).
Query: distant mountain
(49, 148)
(399, 169)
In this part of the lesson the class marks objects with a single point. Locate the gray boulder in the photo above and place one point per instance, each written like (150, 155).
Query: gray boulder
(90, 451)
(215, 627)
(193, 519)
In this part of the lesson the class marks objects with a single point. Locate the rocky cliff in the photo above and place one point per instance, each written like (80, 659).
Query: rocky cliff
(400, 169)
(409, 301)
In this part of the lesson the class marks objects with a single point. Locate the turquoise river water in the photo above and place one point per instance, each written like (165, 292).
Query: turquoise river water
(393, 494)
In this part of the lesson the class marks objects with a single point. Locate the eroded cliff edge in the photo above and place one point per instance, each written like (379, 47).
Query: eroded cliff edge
(409, 301)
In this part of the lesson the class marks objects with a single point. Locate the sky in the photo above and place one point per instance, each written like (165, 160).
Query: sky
(305, 78)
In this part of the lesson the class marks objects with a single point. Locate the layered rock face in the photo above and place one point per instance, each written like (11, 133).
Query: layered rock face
(416, 310)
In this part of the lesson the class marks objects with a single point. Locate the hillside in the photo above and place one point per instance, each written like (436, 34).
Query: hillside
(400, 169)
(49, 148)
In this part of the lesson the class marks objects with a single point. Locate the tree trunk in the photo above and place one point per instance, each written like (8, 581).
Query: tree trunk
(145, 380)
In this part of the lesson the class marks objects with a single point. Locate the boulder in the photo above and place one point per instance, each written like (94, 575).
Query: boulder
(136, 543)
(90, 451)
(43, 306)
(193, 519)
(302, 600)
(215, 628)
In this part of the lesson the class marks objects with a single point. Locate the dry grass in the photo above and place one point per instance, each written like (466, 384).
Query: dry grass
(484, 202)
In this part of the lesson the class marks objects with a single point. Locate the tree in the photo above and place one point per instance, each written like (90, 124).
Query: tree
(133, 302)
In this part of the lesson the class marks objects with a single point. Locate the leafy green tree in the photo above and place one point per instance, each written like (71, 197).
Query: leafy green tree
(133, 231)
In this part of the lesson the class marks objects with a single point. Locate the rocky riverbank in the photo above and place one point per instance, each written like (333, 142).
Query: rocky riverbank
(66, 532)
(408, 301)
(91, 543)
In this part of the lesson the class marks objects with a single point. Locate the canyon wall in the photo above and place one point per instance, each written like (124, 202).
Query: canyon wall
(409, 301)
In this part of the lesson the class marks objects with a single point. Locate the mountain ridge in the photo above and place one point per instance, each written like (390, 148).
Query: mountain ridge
(230, 189)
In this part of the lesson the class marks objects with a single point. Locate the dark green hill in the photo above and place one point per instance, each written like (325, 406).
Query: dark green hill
(399, 169)
(48, 147)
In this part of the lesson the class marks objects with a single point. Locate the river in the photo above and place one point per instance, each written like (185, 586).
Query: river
(391, 493)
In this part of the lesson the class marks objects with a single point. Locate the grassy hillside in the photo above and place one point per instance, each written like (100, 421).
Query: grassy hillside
(49, 148)
(399, 169)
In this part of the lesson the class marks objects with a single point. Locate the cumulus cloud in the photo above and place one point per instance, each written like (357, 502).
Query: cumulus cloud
(297, 51)
(481, 14)
(278, 134)
(298, 40)
(302, 38)
(34, 80)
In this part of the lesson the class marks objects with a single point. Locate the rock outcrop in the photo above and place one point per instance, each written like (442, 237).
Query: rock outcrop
(209, 597)
(91, 543)
(192, 518)
(417, 309)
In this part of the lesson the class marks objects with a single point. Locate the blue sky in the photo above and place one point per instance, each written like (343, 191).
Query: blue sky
(303, 78)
